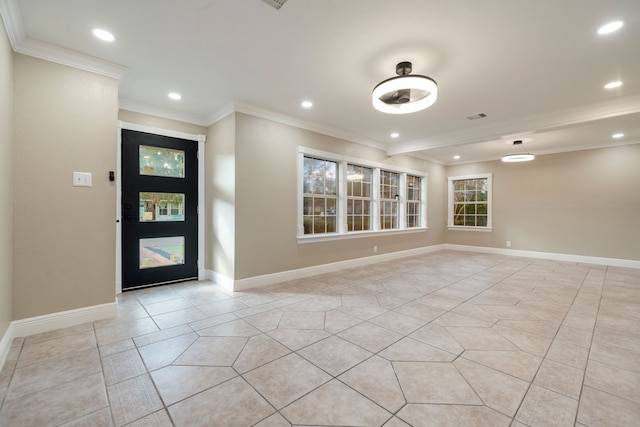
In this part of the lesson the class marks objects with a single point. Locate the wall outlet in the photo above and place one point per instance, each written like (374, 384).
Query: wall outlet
(508, 243)
(375, 249)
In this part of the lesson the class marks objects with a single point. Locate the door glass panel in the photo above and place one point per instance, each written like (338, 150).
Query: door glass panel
(161, 251)
(156, 161)
(161, 207)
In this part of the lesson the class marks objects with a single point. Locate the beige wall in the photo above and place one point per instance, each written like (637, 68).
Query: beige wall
(220, 197)
(6, 182)
(581, 203)
(64, 236)
(266, 201)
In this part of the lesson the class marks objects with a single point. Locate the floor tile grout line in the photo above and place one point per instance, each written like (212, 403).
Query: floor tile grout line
(580, 289)
(593, 331)
(547, 352)
(13, 372)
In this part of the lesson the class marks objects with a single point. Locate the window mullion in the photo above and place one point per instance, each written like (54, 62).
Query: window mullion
(342, 197)
(423, 202)
(375, 202)
(402, 199)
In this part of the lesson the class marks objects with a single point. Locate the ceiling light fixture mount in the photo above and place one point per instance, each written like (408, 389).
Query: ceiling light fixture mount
(406, 93)
(522, 156)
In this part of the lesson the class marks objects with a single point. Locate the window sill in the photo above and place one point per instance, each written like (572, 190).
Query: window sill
(462, 228)
(356, 235)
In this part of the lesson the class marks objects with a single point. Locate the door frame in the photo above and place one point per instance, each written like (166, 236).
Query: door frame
(200, 140)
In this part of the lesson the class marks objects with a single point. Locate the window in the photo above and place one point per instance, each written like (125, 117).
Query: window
(344, 197)
(413, 201)
(388, 200)
(162, 208)
(358, 198)
(470, 202)
(320, 196)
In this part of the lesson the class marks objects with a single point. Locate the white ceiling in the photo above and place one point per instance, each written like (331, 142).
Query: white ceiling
(536, 68)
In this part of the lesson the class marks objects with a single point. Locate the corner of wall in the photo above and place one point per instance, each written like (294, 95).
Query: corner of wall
(6, 185)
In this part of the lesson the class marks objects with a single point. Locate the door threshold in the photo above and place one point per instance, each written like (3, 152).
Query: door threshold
(151, 285)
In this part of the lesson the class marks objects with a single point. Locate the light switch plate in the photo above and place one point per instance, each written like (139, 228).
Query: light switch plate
(82, 179)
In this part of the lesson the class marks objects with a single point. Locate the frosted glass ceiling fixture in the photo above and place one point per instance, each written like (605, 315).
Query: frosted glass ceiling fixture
(406, 93)
(521, 155)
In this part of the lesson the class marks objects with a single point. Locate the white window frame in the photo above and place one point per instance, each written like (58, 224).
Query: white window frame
(341, 229)
(393, 200)
(450, 213)
(360, 198)
(403, 218)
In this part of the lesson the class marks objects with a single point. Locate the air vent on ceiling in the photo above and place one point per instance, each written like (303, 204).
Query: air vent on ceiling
(275, 3)
(477, 116)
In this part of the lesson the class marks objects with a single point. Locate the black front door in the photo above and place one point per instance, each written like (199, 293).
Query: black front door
(159, 209)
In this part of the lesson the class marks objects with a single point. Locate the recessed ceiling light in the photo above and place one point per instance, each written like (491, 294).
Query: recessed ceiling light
(103, 35)
(617, 135)
(306, 104)
(613, 85)
(456, 157)
(394, 135)
(610, 27)
(175, 96)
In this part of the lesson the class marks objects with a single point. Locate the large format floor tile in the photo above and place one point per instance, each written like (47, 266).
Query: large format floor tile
(443, 339)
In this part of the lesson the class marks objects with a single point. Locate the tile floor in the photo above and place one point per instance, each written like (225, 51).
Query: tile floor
(444, 339)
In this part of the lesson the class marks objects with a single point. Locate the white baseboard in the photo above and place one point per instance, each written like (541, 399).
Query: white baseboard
(63, 319)
(582, 259)
(220, 279)
(270, 279)
(50, 322)
(5, 344)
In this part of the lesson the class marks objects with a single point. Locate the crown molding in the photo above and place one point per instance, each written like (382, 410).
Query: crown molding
(509, 129)
(220, 114)
(263, 113)
(70, 58)
(12, 17)
(20, 43)
(165, 113)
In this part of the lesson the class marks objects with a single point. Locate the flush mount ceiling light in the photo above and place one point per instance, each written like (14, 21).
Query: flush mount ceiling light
(175, 96)
(521, 156)
(406, 93)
